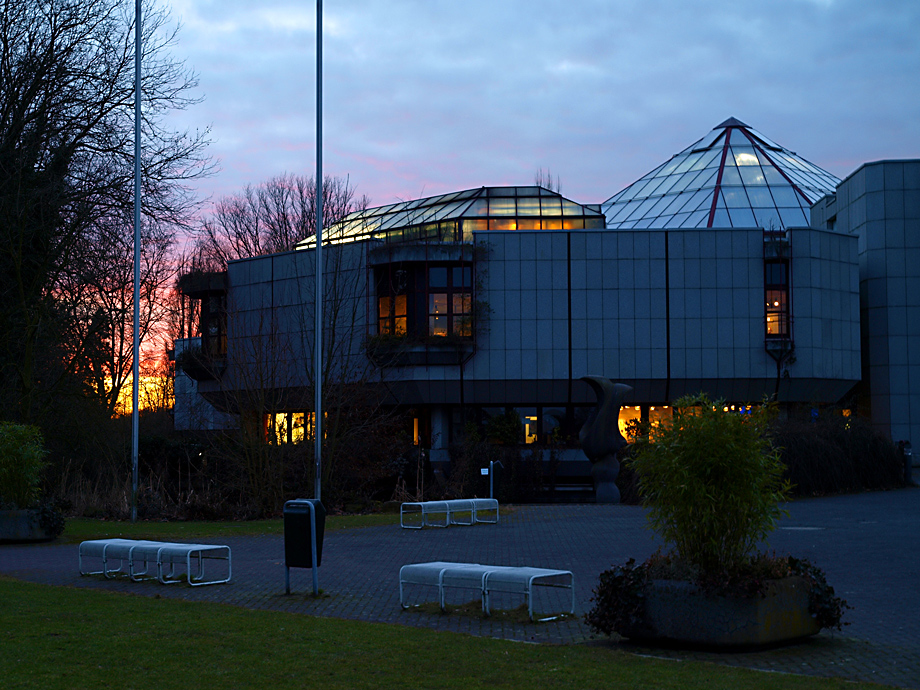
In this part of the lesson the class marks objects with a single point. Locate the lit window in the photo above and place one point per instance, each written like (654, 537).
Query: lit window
(393, 288)
(776, 294)
(629, 417)
(450, 311)
(419, 300)
(530, 429)
(285, 427)
(310, 428)
(392, 315)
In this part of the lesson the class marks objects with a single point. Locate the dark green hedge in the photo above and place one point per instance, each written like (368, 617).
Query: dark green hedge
(835, 454)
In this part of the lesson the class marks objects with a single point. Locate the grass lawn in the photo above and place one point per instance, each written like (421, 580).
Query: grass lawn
(81, 529)
(59, 637)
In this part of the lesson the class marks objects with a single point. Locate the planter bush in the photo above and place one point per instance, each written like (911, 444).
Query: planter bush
(712, 482)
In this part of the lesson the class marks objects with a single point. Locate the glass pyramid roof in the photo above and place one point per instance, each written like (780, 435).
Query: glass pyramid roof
(733, 177)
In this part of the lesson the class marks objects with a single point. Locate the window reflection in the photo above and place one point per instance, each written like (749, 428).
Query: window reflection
(437, 314)
(461, 314)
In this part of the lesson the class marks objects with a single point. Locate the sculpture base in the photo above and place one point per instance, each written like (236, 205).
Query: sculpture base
(604, 472)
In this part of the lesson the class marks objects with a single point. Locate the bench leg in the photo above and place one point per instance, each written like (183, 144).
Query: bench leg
(199, 579)
(90, 572)
(402, 520)
(109, 574)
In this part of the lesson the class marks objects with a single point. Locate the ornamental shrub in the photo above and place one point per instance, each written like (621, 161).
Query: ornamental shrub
(22, 460)
(832, 454)
(712, 482)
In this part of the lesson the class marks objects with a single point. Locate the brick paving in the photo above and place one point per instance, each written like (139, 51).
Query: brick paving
(866, 544)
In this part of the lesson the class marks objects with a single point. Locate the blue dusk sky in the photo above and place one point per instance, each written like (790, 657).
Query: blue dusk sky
(423, 97)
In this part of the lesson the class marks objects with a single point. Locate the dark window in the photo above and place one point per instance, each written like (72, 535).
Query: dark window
(213, 325)
(437, 277)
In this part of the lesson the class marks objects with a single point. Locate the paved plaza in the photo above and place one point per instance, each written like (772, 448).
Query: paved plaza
(867, 544)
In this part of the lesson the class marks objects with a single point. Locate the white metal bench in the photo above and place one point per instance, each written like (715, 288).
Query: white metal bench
(136, 556)
(479, 509)
(485, 578)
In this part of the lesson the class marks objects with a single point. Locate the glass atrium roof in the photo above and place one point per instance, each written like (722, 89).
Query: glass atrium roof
(733, 177)
(454, 217)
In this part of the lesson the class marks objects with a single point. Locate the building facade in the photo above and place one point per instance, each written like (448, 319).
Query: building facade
(705, 275)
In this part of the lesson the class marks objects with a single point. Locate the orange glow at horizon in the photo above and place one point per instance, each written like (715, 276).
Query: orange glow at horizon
(156, 392)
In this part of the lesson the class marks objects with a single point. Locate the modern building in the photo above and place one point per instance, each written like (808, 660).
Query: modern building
(880, 205)
(705, 274)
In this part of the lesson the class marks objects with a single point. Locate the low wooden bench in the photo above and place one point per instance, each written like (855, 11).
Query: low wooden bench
(485, 578)
(135, 558)
(479, 509)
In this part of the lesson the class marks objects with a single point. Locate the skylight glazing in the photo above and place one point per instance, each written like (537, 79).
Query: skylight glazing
(454, 217)
(732, 177)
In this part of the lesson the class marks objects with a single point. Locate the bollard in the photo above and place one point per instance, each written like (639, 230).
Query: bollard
(907, 455)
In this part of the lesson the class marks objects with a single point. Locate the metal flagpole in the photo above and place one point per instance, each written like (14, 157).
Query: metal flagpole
(318, 306)
(137, 255)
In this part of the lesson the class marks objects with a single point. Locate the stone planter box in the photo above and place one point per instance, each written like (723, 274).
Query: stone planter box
(678, 612)
(21, 525)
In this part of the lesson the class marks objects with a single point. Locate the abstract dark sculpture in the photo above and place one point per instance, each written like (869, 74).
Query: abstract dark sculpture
(601, 439)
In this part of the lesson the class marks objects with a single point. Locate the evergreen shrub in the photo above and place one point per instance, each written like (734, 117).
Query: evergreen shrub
(833, 454)
(22, 460)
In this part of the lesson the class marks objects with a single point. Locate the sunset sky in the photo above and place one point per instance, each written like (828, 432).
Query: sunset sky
(424, 97)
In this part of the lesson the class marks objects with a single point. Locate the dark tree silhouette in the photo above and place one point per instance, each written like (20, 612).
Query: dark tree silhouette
(66, 169)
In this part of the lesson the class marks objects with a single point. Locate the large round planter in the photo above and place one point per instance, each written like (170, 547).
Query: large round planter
(22, 526)
(678, 612)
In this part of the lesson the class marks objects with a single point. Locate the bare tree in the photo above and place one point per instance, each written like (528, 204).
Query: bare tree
(98, 287)
(546, 180)
(272, 217)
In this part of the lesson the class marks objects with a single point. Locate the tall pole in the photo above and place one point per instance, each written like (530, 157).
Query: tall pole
(137, 255)
(318, 306)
